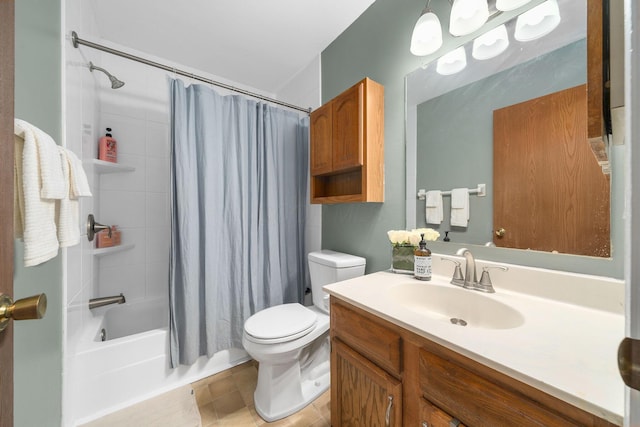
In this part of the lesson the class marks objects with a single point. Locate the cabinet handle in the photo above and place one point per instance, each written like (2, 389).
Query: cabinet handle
(387, 417)
(454, 422)
(424, 424)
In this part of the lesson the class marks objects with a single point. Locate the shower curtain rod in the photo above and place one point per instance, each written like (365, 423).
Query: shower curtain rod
(78, 41)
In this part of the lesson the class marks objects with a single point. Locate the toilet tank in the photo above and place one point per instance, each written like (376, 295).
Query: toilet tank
(327, 267)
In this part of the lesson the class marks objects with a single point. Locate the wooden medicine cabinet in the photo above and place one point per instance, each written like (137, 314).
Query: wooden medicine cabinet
(347, 146)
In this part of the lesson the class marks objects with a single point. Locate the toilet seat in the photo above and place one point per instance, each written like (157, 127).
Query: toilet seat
(280, 323)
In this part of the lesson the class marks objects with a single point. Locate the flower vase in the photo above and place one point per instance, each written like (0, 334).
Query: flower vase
(402, 259)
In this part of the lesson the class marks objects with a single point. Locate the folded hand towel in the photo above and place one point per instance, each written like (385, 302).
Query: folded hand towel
(67, 211)
(459, 207)
(52, 185)
(433, 210)
(36, 214)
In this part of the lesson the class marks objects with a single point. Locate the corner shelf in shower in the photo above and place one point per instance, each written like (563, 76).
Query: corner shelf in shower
(100, 166)
(112, 250)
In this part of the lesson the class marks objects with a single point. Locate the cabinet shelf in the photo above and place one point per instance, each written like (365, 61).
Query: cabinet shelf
(112, 250)
(102, 167)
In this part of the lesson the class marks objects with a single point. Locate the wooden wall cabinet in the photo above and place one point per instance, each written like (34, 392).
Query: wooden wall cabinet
(347, 146)
(373, 360)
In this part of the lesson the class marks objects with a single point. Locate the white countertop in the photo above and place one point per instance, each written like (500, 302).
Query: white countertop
(567, 350)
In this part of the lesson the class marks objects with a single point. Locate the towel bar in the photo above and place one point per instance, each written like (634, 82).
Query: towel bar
(480, 191)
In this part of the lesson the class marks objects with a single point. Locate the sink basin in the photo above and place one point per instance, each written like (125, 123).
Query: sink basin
(458, 306)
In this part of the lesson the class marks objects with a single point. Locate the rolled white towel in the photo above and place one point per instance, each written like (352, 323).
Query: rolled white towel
(433, 207)
(460, 207)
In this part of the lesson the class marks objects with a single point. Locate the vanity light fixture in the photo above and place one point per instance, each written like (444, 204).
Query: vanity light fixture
(537, 22)
(507, 5)
(427, 33)
(467, 16)
(453, 62)
(491, 44)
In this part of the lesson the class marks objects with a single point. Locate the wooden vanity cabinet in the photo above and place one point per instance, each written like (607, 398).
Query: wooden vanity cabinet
(431, 386)
(366, 365)
(347, 146)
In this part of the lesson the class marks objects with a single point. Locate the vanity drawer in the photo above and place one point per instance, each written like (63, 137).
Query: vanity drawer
(378, 343)
(432, 416)
(479, 400)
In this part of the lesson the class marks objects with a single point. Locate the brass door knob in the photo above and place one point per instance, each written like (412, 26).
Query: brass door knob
(500, 232)
(33, 307)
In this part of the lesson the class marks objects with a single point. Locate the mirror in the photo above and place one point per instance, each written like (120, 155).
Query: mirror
(450, 126)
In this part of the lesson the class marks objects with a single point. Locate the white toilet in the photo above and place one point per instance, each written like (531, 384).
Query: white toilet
(291, 341)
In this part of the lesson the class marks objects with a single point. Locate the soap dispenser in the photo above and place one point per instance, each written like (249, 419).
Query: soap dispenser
(422, 261)
(107, 148)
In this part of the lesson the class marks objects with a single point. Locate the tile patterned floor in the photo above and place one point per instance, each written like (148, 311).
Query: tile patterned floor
(226, 399)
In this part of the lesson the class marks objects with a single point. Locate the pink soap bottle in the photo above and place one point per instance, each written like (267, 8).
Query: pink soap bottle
(107, 148)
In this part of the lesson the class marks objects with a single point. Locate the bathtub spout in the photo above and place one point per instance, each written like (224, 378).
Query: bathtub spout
(99, 302)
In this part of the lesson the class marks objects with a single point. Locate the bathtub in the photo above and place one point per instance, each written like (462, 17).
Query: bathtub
(132, 363)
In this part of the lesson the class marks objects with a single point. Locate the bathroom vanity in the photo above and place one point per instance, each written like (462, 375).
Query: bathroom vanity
(397, 359)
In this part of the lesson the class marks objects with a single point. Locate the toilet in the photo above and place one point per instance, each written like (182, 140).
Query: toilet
(291, 341)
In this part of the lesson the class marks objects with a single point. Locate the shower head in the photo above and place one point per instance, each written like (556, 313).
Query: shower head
(115, 83)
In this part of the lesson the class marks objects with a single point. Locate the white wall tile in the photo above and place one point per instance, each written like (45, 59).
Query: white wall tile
(126, 181)
(157, 280)
(128, 132)
(158, 243)
(136, 255)
(122, 208)
(158, 142)
(127, 279)
(158, 211)
(158, 175)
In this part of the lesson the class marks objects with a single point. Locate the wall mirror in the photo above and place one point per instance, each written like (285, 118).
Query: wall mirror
(450, 138)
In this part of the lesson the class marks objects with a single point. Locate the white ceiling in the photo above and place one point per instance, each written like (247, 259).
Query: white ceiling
(259, 43)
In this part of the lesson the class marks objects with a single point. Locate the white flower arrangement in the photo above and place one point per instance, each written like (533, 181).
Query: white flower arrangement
(412, 238)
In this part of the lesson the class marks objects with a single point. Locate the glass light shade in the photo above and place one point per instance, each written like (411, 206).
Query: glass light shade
(507, 5)
(427, 34)
(453, 62)
(491, 43)
(537, 22)
(467, 16)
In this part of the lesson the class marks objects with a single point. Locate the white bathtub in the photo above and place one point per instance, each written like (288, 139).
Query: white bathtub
(133, 363)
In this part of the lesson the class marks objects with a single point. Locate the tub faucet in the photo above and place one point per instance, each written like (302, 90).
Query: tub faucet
(99, 302)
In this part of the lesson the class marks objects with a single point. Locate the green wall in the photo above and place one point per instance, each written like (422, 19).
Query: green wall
(38, 100)
(377, 45)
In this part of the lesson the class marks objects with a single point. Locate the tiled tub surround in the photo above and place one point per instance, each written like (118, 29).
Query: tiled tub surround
(566, 347)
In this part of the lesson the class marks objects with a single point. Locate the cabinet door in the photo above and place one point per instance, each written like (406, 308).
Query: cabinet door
(362, 394)
(348, 128)
(432, 416)
(321, 125)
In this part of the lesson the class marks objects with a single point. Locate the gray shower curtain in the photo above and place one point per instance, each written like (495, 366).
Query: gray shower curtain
(238, 188)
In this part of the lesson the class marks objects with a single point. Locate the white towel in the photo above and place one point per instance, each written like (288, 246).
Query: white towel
(36, 216)
(459, 207)
(433, 207)
(52, 184)
(78, 182)
(68, 209)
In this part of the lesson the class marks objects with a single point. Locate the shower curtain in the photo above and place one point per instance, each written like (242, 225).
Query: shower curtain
(238, 188)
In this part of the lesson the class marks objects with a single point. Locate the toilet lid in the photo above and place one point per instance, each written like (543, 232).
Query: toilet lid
(280, 323)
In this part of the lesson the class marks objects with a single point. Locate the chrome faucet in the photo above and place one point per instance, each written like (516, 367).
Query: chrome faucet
(470, 275)
(99, 302)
